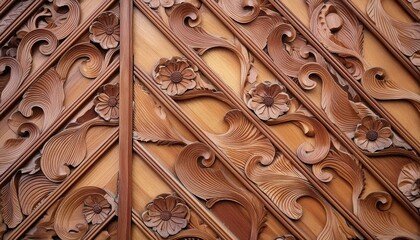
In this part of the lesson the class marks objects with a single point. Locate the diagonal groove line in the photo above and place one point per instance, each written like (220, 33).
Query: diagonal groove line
(68, 42)
(339, 67)
(320, 115)
(189, 124)
(67, 113)
(392, 48)
(64, 187)
(171, 180)
(138, 222)
(98, 227)
(262, 127)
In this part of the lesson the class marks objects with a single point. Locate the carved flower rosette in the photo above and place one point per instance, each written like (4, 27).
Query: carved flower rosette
(167, 215)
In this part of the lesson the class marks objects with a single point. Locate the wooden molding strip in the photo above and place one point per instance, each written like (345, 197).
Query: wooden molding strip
(126, 119)
(67, 113)
(318, 113)
(139, 223)
(12, 28)
(339, 67)
(98, 227)
(64, 187)
(5, 5)
(414, 13)
(179, 113)
(172, 181)
(393, 49)
(67, 43)
(193, 56)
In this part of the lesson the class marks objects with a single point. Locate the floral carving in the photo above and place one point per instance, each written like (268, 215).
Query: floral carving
(107, 102)
(373, 134)
(175, 75)
(96, 209)
(164, 3)
(268, 100)
(409, 183)
(106, 30)
(166, 214)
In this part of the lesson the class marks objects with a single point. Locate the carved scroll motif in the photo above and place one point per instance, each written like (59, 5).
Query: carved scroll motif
(195, 169)
(409, 183)
(405, 36)
(340, 32)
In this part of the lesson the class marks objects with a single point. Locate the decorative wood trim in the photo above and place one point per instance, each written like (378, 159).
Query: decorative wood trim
(126, 120)
(68, 43)
(63, 188)
(175, 109)
(169, 178)
(4, 6)
(139, 223)
(98, 227)
(393, 49)
(414, 13)
(57, 123)
(343, 72)
(7, 33)
(321, 116)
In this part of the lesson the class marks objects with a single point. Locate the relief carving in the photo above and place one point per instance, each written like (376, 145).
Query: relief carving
(13, 14)
(409, 183)
(404, 36)
(106, 30)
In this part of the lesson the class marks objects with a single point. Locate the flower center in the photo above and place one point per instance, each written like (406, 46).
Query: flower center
(112, 101)
(372, 135)
(109, 30)
(165, 215)
(268, 101)
(176, 77)
(96, 208)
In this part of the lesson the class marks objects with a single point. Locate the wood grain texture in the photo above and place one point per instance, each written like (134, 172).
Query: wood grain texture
(126, 120)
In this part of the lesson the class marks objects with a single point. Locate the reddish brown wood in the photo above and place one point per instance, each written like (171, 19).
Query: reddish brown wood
(126, 120)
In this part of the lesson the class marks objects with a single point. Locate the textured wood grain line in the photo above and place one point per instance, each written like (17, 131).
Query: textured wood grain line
(263, 128)
(393, 49)
(414, 13)
(179, 113)
(126, 120)
(64, 187)
(320, 115)
(98, 227)
(397, 126)
(12, 28)
(67, 113)
(193, 202)
(69, 42)
(139, 223)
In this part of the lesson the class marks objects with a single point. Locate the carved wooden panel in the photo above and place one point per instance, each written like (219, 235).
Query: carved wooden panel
(209, 119)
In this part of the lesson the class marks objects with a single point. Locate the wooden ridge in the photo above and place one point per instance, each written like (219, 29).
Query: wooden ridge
(319, 114)
(139, 223)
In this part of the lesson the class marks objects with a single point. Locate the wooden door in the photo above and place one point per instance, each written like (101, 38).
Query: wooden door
(212, 119)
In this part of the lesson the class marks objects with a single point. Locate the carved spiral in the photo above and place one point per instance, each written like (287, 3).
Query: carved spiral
(242, 11)
(72, 21)
(16, 77)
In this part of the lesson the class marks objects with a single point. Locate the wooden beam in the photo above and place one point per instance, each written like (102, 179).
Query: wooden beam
(126, 119)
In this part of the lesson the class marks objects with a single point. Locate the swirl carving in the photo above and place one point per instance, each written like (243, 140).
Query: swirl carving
(340, 32)
(286, 185)
(195, 169)
(378, 85)
(405, 36)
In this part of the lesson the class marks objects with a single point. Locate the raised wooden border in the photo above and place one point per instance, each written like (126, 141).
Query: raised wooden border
(126, 119)
(415, 14)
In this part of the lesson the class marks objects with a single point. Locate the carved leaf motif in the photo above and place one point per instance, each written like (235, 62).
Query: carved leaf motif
(48, 94)
(16, 77)
(44, 229)
(334, 101)
(9, 204)
(409, 183)
(194, 169)
(32, 190)
(379, 86)
(340, 32)
(405, 36)
(347, 168)
(299, 52)
(70, 223)
(285, 185)
(150, 123)
(68, 148)
(243, 141)
(375, 217)
(242, 11)
(311, 127)
(89, 68)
